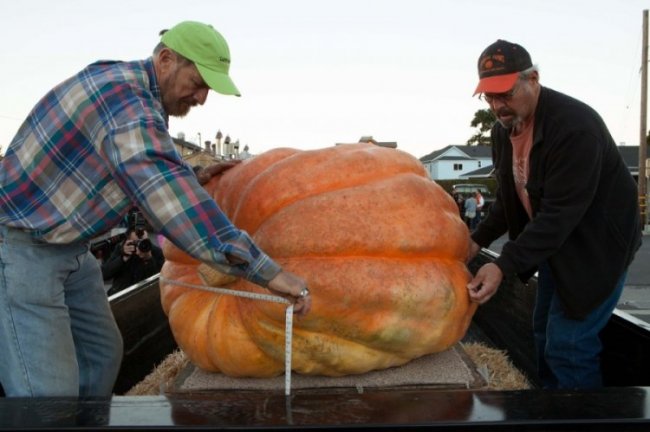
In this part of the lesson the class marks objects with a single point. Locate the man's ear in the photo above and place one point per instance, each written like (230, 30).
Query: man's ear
(166, 59)
(535, 76)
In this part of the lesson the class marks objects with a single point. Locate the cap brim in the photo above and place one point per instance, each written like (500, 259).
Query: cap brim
(497, 83)
(218, 81)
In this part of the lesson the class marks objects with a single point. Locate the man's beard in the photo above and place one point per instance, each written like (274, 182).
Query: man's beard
(178, 108)
(513, 120)
(175, 107)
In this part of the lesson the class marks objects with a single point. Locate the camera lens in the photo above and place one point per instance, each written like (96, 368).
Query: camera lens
(144, 245)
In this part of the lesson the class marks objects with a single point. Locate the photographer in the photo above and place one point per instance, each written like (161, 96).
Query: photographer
(133, 260)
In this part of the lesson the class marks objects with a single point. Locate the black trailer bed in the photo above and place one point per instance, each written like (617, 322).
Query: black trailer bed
(608, 409)
(503, 322)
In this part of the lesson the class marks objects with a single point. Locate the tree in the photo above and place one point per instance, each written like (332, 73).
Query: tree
(483, 121)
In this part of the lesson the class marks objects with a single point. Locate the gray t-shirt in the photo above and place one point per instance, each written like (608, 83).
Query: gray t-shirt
(470, 207)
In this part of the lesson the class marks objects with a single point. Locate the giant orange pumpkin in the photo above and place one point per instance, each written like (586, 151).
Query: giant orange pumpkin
(382, 248)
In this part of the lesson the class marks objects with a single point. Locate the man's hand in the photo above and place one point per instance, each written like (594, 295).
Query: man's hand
(294, 289)
(128, 249)
(204, 175)
(485, 283)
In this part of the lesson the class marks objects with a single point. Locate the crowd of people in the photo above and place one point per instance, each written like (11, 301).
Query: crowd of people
(565, 198)
(470, 208)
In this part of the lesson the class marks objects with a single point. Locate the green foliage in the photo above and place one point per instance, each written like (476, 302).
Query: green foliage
(483, 120)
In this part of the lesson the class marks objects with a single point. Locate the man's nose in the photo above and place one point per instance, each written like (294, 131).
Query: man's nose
(201, 96)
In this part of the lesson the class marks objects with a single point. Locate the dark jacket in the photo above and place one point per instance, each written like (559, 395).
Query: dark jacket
(586, 218)
(127, 273)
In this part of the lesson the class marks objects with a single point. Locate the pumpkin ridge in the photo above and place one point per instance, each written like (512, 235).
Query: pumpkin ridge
(245, 173)
(341, 364)
(193, 342)
(228, 326)
(336, 357)
(299, 172)
(336, 187)
(391, 217)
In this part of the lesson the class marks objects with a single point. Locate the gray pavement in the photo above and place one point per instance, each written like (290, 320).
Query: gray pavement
(635, 299)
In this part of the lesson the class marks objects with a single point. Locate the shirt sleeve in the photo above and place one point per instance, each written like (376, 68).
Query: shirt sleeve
(113, 263)
(149, 170)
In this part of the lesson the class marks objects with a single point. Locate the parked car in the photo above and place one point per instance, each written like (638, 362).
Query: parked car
(470, 188)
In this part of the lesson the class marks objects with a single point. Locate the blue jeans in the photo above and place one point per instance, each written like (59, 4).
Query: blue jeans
(58, 336)
(476, 220)
(568, 350)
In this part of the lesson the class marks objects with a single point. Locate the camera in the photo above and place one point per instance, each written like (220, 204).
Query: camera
(143, 245)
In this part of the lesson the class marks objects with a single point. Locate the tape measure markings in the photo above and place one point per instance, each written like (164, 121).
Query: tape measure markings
(288, 327)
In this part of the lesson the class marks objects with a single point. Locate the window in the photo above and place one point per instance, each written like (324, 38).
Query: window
(458, 167)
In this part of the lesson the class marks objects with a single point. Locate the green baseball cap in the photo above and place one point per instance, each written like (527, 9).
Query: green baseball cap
(207, 49)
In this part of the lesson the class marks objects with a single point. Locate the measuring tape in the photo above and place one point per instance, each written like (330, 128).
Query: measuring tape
(288, 319)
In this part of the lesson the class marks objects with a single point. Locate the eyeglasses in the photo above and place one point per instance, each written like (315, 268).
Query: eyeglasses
(501, 97)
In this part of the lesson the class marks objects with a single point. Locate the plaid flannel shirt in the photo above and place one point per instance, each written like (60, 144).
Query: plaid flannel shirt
(98, 143)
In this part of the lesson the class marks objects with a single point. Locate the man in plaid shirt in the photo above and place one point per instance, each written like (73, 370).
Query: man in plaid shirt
(93, 147)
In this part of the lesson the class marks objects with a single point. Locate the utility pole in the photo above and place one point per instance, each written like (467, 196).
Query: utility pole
(642, 182)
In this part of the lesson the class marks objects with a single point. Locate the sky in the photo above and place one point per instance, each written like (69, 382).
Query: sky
(314, 73)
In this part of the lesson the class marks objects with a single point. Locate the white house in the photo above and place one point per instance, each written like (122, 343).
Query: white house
(458, 161)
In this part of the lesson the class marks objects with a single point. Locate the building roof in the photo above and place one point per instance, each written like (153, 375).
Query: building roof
(482, 172)
(630, 155)
(454, 158)
(187, 144)
(370, 139)
(472, 152)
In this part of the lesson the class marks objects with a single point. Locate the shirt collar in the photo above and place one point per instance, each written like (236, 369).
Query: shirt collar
(154, 87)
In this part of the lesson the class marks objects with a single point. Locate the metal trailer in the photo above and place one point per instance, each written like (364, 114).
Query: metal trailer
(504, 322)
